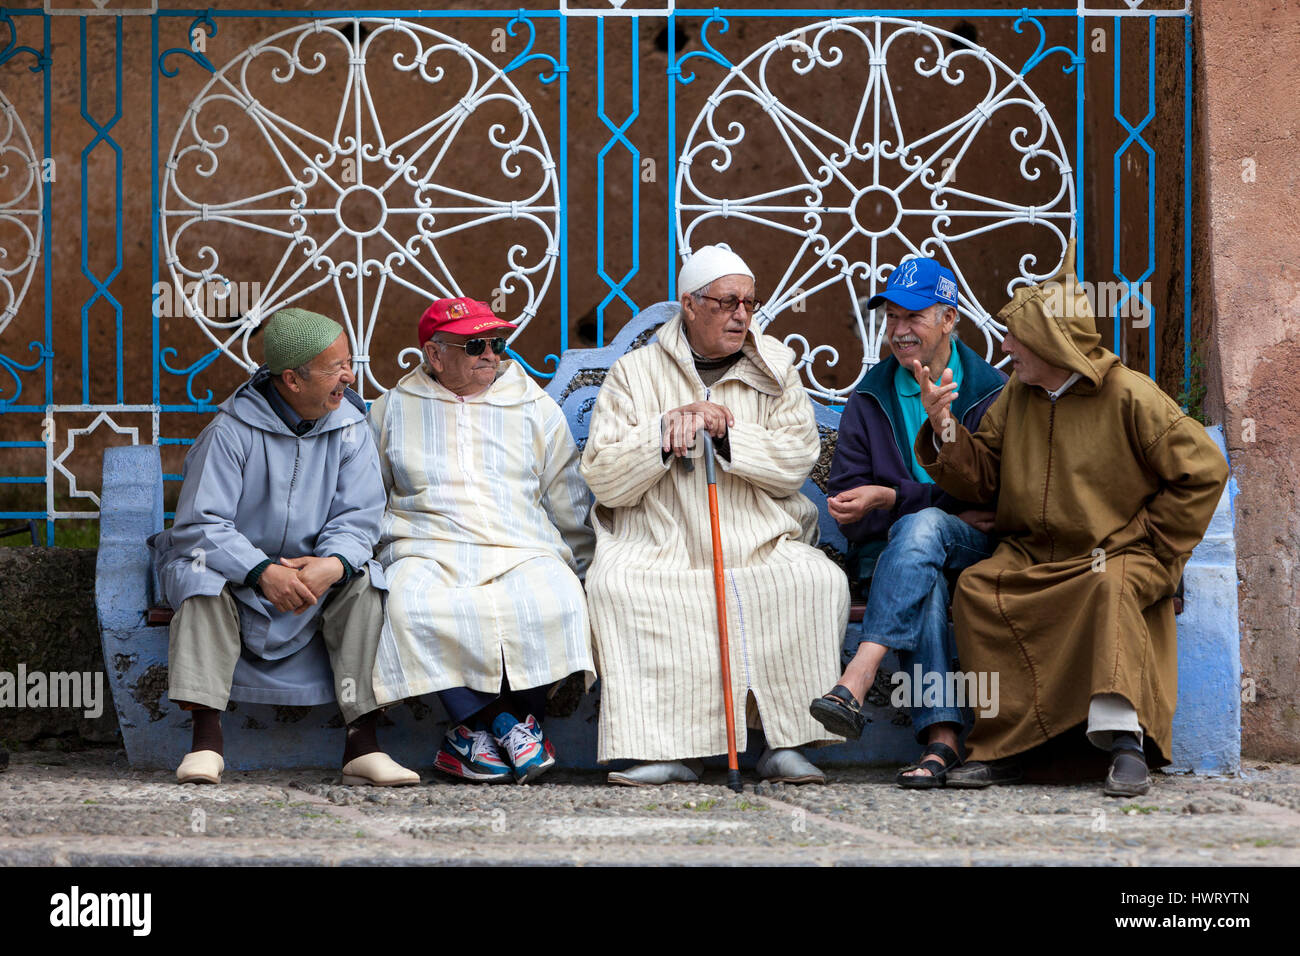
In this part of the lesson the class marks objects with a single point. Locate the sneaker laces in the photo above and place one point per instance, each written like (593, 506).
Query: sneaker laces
(481, 743)
(518, 738)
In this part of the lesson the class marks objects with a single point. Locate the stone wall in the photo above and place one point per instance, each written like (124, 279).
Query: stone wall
(1247, 78)
(48, 626)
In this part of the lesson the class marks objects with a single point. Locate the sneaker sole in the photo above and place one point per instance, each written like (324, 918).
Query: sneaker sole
(461, 772)
(474, 778)
(534, 772)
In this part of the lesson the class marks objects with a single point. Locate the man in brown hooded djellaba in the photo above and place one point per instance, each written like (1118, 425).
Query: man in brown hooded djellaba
(1103, 489)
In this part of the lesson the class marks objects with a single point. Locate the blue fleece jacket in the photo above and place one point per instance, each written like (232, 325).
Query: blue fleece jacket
(872, 447)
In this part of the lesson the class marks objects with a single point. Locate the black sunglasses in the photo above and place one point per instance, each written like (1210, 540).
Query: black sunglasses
(476, 346)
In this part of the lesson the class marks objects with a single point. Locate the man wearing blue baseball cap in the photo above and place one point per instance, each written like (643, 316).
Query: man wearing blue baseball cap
(907, 532)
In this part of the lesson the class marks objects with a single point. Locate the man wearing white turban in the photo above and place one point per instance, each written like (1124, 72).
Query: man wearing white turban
(650, 586)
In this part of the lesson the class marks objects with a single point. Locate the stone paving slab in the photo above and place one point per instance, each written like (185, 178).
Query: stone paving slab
(90, 808)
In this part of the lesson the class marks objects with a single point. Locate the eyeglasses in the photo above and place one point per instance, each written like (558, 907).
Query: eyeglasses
(476, 346)
(732, 302)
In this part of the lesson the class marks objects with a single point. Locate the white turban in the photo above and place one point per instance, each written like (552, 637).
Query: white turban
(707, 264)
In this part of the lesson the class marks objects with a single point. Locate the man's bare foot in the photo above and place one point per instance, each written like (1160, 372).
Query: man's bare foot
(932, 764)
(861, 672)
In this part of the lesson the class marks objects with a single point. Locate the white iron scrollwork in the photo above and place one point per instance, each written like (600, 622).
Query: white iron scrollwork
(838, 239)
(410, 190)
(21, 204)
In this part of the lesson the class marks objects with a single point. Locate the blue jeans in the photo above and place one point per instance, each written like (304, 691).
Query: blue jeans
(907, 608)
(463, 703)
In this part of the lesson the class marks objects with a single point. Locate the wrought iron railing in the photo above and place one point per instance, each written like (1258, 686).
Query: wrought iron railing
(449, 166)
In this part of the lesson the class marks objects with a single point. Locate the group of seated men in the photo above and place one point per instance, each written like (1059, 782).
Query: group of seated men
(453, 540)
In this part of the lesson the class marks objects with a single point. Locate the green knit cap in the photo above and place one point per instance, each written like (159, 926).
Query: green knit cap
(293, 337)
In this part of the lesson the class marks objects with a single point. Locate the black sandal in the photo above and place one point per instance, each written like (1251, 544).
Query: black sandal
(839, 712)
(947, 758)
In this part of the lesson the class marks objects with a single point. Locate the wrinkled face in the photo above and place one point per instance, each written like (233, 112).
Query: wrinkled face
(458, 371)
(920, 335)
(321, 391)
(1030, 368)
(712, 332)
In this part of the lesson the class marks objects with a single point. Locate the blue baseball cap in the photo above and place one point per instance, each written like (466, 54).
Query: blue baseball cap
(918, 284)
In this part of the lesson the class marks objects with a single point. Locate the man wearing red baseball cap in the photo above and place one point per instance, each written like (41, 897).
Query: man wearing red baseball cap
(484, 543)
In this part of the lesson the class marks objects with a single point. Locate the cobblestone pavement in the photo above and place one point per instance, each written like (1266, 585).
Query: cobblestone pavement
(91, 809)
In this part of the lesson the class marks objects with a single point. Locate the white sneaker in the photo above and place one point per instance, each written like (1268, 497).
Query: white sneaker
(658, 772)
(787, 765)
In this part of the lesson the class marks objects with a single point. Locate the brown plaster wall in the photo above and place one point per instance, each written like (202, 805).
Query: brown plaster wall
(1250, 111)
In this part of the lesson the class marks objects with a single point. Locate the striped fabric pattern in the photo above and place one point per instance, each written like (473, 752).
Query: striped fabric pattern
(650, 587)
(484, 539)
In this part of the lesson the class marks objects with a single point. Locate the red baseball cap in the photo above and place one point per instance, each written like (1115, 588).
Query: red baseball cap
(459, 317)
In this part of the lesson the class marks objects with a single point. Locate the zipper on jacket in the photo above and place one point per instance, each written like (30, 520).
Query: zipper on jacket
(1047, 480)
(293, 481)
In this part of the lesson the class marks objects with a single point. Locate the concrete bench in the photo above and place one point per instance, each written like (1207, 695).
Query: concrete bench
(156, 733)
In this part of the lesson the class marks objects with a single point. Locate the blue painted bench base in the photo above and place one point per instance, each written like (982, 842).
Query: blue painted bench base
(1207, 737)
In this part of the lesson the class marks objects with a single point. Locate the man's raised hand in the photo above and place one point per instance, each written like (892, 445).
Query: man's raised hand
(935, 398)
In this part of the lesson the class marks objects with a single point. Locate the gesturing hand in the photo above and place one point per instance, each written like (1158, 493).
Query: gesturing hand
(681, 424)
(935, 398)
(284, 589)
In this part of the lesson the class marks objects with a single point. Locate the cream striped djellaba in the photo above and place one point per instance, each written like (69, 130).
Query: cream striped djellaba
(484, 540)
(650, 587)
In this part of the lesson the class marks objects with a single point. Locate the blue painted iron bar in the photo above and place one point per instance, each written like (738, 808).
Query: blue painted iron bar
(1187, 205)
(1081, 31)
(1135, 137)
(616, 288)
(101, 285)
(564, 186)
(1151, 202)
(672, 158)
(155, 372)
(842, 13)
(47, 215)
(1117, 112)
(364, 14)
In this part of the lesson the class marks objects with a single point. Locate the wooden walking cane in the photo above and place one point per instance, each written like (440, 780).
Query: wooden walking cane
(720, 591)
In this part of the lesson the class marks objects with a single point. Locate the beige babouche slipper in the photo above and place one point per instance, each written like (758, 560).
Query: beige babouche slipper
(377, 770)
(201, 766)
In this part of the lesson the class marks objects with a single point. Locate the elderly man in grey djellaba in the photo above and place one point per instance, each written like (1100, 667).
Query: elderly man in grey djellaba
(273, 541)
